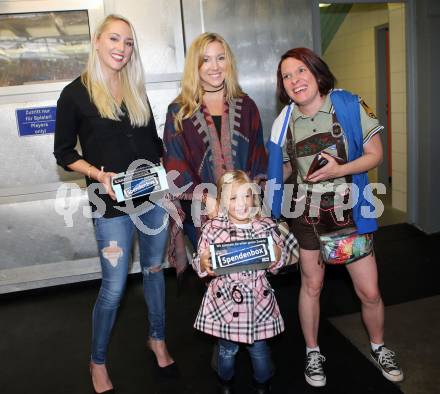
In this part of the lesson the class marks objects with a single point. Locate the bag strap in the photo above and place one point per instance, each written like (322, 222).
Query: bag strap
(338, 134)
(291, 151)
(340, 145)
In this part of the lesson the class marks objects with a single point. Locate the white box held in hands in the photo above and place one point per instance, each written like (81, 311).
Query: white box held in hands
(141, 182)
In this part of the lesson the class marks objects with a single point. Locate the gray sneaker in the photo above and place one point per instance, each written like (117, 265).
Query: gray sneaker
(314, 371)
(386, 361)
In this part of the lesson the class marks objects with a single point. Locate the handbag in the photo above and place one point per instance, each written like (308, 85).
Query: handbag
(344, 246)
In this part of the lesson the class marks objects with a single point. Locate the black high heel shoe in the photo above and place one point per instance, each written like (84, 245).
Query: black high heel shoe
(169, 372)
(110, 391)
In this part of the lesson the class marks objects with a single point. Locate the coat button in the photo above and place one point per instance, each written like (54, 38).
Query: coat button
(266, 293)
(218, 294)
(235, 314)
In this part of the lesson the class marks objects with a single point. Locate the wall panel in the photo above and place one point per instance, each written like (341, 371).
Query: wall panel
(259, 32)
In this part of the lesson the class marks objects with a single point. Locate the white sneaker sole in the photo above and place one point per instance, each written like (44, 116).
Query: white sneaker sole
(391, 378)
(316, 383)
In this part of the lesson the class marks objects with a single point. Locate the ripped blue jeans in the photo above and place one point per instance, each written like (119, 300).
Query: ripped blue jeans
(115, 241)
(260, 357)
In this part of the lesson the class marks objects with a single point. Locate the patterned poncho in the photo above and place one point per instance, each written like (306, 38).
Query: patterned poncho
(195, 153)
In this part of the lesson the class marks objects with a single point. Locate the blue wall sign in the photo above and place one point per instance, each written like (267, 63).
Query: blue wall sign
(36, 121)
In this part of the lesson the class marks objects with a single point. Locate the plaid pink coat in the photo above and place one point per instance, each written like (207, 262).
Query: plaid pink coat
(241, 306)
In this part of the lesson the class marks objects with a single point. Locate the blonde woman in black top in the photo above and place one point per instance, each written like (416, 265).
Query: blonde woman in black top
(107, 109)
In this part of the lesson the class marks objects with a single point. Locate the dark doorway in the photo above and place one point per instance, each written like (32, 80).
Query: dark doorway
(383, 106)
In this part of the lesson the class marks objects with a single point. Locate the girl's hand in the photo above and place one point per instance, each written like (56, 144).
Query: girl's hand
(331, 170)
(205, 263)
(277, 251)
(106, 179)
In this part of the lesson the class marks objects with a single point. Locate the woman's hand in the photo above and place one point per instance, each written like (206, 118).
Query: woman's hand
(205, 263)
(106, 179)
(371, 158)
(331, 170)
(91, 172)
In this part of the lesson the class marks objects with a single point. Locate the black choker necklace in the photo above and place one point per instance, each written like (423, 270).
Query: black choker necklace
(217, 90)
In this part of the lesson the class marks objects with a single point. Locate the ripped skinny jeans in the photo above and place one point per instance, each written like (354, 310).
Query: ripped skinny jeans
(115, 241)
(260, 357)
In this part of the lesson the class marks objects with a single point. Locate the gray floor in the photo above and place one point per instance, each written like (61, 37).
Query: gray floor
(390, 215)
(412, 330)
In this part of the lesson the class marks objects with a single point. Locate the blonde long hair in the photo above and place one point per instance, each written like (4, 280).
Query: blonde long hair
(191, 94)
(132, 81)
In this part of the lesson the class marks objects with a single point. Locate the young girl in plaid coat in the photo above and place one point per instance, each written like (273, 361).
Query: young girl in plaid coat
(239, 307)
